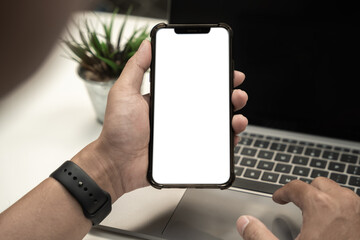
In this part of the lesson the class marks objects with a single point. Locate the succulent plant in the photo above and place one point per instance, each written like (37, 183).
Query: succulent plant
(99, 58)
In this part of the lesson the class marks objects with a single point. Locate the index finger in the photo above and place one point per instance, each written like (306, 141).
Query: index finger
(239, 78)
(297, 192)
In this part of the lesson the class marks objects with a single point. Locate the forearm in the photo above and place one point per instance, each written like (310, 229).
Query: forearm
(46, 212)
(49, 211)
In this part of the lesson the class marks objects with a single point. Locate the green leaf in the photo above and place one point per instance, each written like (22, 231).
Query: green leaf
(88, 27)
(116, 11)
(128, 44)
(84, 41)
(134, 43)
(105, 49)
(69, 55)
(95, 43)
(130, 54)
(107, 32)
(76, 49)
(109, 62)
(71, 36)
(112, 55)
(72, 58)
(122, 27)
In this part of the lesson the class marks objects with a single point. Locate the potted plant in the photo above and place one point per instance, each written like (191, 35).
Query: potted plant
(101, 61)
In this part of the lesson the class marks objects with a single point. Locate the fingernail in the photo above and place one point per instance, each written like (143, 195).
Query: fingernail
(242, 224)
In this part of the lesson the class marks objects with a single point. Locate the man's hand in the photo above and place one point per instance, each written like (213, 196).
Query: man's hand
(329, 212)
(122, 148)
(117, 161)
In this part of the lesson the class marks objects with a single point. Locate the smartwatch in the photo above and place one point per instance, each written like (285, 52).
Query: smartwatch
(95, 202)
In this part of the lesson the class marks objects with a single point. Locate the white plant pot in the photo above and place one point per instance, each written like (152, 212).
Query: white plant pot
(98, 92)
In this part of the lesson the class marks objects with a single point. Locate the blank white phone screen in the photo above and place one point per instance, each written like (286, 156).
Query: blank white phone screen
(191, 127)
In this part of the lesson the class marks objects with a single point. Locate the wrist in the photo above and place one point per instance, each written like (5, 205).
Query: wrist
(94, 161)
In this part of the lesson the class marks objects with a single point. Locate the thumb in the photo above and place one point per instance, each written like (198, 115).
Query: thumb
(250, 228)
(131, 77)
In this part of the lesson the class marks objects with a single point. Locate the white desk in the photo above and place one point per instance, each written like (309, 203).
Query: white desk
(47, 120)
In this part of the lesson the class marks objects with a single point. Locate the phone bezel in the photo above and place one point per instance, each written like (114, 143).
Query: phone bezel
(184, 29)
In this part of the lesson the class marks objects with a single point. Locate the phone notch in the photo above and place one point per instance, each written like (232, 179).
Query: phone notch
(192, 29)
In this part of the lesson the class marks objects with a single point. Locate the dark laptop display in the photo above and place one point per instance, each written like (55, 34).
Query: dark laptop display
(301, 60)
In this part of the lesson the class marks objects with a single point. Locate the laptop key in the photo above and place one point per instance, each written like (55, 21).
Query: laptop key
(348, 158)
(256, 135)
(354, 181)
(265, 154)
(353, 169)
(295, 149)
(356, 151)
(236, 149)
(283, 157)
(245, 141)
(266, 165)
(318, 163)
(261, 143)
(283, 168)
(301, 171)
(339, 167)
(278, 147)
(249, 151)
(319, 145)
(251, 173)
(300, 160)
(286, 140)
(318, 173)
(313, 152)
(272, 138)
(249, 162)
(330, 155)
(307, 180)
(238, 171)
(339, 178)
(310, 144)
(270, 177)
(236, 159)
(358, 192)
(286, 179)
(341, 149)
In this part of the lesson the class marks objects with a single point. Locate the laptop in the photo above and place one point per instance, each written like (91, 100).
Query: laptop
(301, 64)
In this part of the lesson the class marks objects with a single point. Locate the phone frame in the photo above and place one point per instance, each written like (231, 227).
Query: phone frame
(189, 28)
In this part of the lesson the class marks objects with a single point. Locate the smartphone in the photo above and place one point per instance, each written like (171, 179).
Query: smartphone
(191, 81)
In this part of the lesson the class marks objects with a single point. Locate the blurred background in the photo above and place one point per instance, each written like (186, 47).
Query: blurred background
(148, 8)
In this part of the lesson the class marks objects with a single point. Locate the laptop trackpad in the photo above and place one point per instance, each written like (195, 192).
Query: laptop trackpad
(211, 214)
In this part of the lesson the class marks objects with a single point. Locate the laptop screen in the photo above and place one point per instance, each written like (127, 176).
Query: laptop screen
(300, 59)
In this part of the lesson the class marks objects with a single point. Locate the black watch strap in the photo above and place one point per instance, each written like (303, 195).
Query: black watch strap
(95, 202)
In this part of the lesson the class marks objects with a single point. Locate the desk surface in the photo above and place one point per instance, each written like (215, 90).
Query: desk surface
(48, 119)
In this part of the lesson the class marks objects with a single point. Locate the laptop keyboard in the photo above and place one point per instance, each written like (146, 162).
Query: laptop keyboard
(266, 163)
